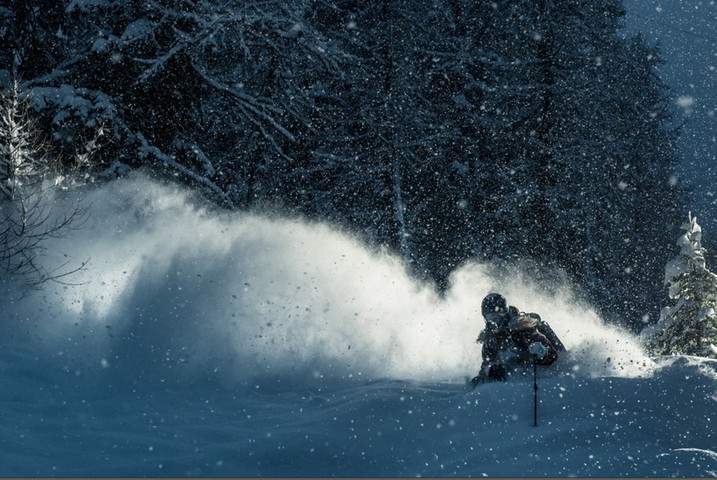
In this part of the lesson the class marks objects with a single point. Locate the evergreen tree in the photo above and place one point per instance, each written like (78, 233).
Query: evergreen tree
(219, 93)
(30, 31)
(689, 326)
(445, 130)
(576, 154)
(637, 146)
(381, 162)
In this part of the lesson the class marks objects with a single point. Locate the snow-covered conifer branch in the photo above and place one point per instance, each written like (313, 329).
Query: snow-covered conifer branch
(690, 325)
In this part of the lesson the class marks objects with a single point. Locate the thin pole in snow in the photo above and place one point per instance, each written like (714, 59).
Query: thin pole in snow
(535, 392)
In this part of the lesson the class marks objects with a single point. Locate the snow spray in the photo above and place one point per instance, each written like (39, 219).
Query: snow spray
(174, 288)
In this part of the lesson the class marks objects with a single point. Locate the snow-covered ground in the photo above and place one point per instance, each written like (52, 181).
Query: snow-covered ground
(204, 344)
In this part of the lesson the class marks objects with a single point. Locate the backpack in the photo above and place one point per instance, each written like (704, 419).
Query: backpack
(545, 329)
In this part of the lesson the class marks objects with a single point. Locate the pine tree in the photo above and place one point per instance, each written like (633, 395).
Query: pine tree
(29, 32)
(574, 137)
(446, 130)
(690, 326)
(381, 151)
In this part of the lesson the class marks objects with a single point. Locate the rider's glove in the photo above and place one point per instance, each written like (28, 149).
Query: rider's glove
(538, 349)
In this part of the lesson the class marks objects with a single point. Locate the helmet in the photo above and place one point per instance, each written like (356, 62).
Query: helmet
(494, 302)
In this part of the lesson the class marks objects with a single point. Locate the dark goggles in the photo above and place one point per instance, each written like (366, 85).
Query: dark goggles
(496, 315)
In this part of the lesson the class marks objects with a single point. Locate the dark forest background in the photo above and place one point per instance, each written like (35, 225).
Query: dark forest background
(529, 133)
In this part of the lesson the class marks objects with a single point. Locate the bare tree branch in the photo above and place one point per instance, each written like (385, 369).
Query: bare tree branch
(28, 176)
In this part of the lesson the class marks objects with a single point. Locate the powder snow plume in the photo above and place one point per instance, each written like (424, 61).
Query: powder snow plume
(174, 289)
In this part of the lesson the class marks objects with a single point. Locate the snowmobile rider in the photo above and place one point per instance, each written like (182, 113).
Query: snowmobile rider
(513, 339)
